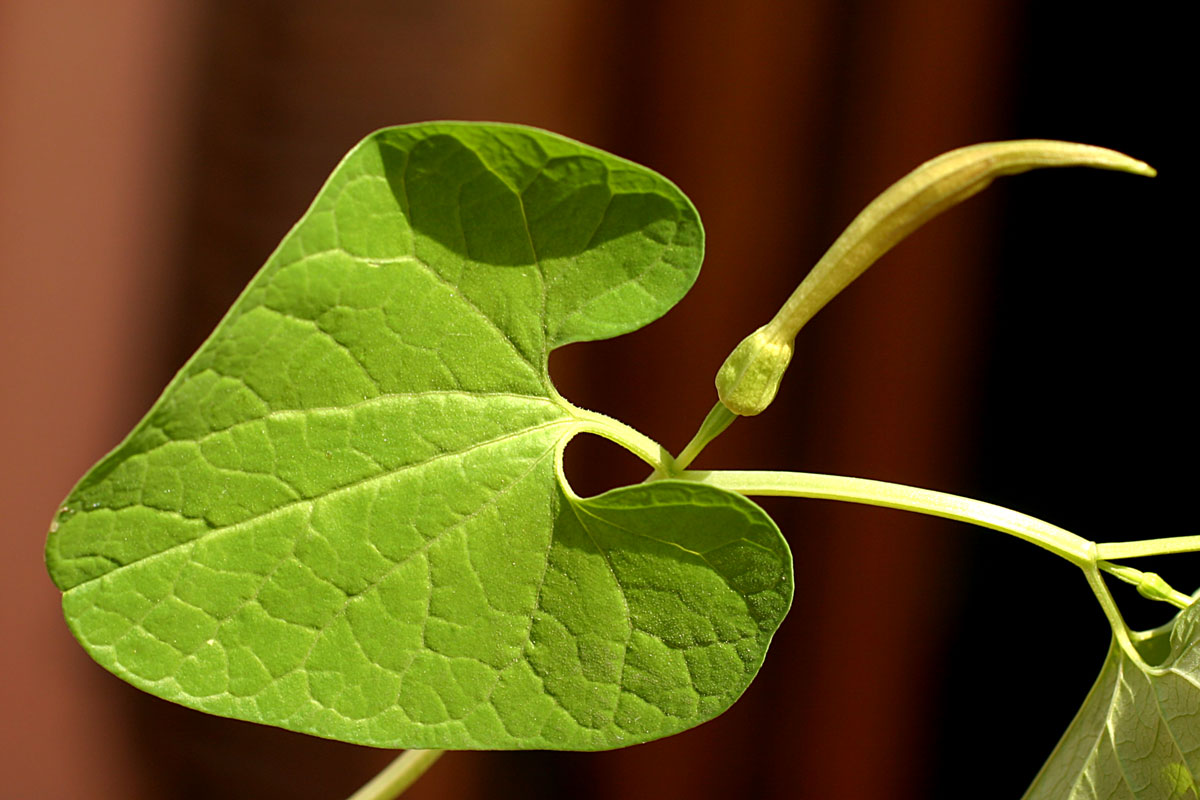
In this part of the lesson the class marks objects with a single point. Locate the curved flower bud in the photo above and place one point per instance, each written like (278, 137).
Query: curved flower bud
(749, 378)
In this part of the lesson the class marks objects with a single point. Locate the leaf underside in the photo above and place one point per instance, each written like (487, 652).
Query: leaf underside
(1137, 735)
(346, 516)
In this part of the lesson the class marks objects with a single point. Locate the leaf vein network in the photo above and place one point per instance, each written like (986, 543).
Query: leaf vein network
(220, 531)
(539, 370)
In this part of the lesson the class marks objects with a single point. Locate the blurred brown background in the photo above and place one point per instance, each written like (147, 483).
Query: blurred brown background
(1030, 348)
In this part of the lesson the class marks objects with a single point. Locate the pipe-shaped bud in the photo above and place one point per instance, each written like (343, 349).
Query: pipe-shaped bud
(750, 377)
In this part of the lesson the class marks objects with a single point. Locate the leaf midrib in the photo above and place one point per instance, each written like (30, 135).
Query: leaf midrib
(382, 399)
(214, 531)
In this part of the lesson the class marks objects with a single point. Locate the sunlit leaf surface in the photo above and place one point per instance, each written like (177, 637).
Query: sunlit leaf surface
(346, 515)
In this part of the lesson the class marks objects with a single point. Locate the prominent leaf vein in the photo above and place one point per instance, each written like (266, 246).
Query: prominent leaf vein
(367, 481)
(463, 296)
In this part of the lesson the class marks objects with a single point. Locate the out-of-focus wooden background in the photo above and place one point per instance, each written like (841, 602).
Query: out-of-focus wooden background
(1031, 348)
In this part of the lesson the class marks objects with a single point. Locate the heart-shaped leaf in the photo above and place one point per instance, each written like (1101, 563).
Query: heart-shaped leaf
(1136, 737)
(346, 515)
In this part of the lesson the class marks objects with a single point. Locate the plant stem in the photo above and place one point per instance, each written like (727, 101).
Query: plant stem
(713, 426)
(1076, 549)
(1115, 620)
(631, 439)
(398, 775)
(1148, 547)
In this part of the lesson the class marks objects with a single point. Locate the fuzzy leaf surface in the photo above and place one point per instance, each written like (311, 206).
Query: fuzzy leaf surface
(346, 514)
(1137, 736)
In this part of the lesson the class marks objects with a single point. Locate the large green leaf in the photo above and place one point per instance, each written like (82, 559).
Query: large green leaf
(347, 516)
(1136, 737)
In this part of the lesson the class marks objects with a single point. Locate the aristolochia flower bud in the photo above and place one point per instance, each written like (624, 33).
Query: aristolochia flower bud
(749, 378)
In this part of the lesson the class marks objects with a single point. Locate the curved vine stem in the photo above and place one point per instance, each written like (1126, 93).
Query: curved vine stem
(1073, 548)
(1079, 551)
(1148, 547)
(398, 775)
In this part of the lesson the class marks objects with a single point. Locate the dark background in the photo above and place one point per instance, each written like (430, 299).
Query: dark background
(1029, 348)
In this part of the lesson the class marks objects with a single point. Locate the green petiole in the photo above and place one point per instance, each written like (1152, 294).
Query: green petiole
(713, 426)
(398, 775)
